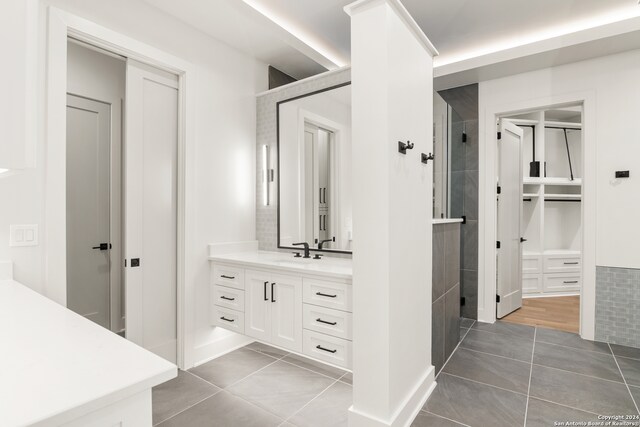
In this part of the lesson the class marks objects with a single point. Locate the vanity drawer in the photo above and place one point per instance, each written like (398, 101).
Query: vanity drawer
(327, 294)
(531, 264)
(226, 275)
(562, 282)
(228, 297)
(327, 320)
(227, 318)
(562, 263)
(531, 283)
(327, 348)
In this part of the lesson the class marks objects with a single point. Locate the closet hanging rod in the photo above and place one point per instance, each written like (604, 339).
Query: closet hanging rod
(563, 200)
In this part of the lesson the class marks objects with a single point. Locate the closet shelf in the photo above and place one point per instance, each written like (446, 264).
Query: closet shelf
(563, 196)
(528, 195)
(551, 181)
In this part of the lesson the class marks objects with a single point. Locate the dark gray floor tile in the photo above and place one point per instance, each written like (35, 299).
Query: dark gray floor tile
(635, 392)
(347, 378)
(281, 388)
(511, 329)
(232, 367)
(451, 320)
(568, 339)
(629, 352)
(223, 410)
(466, 323)
(630, 369)
(493, 370)
(582, 362)
(476, 404)
(318, 367)
(437, 334)
(463, 332)
(331, 408)
(499, 344)
(178, 394)
(545, 414)
(580, 392)
(267, 349)
(426, 419)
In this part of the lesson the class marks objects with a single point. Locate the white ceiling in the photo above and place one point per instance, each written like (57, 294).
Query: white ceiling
(303, 37)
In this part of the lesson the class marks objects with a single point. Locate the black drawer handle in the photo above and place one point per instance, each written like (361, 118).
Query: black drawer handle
(227, 320)
(273, 293)
(319, 347)
(265, 291)
(570, 281)
(228, 277)
(326, 295)
(325, 322)
(571, 263)
(227, 298)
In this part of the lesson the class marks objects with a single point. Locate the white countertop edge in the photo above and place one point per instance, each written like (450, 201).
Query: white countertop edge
(446, 220)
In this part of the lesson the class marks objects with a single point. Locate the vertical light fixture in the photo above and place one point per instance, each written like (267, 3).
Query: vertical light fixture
(266, 175)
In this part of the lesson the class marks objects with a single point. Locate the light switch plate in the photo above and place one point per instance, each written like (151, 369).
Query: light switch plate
(23, 235)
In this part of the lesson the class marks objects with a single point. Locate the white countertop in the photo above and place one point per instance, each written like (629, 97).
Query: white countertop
(446, 220)
(55, 365)
(337, 268)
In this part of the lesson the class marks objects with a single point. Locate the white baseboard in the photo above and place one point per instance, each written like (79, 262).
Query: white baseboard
(407, 411)
(219, 347)
(232, 247)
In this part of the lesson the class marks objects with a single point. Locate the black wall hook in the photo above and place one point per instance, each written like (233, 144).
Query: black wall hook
(426, 158)
(402, 147)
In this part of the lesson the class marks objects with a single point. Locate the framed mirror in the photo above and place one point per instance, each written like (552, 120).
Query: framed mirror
(314, 170)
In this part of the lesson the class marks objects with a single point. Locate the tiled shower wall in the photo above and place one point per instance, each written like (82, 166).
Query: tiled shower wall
(464, 188)
(266, 126)
(618, 305)
(445, 293)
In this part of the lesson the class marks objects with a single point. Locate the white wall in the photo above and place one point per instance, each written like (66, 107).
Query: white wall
(614, 82)
(227, 82)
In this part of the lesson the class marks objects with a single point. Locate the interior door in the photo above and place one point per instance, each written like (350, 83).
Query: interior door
(257, 322)
(150, 183)
(286, 312)
(88, 208)
(509, 262)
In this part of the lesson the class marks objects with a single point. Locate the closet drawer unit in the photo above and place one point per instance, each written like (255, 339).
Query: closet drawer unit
(531, 264)
(562, 263)
(327, 320)
(327, 348)
(531, 283)
(562, 282)
(327, 294)
(228, 297)
(226, 275)
(227, 318)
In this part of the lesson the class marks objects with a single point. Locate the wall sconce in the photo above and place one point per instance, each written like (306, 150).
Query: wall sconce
(267, 175)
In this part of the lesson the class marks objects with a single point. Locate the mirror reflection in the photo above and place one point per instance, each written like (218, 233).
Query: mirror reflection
(314, 164)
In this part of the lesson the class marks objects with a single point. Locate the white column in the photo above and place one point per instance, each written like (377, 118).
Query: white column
(392, 98)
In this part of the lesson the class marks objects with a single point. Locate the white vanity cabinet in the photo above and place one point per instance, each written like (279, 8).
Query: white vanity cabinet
(299, 311)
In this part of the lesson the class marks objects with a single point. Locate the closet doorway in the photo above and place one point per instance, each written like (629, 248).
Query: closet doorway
(121, 196)
(545, 262)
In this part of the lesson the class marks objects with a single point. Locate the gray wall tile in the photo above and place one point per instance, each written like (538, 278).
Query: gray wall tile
(452, 255)
(452, 320)
(438, 283)
(469, 290)
(437, 334)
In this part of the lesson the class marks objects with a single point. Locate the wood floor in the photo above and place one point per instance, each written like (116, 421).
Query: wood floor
(561, 313)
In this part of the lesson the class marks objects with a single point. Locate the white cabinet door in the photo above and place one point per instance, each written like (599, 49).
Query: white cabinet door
(258, 305)
(286, 312)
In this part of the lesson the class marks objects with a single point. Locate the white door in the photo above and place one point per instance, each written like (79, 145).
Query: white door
(286, 312)
(257, 311)
(509, 263)
(150, 183)
(88, 208)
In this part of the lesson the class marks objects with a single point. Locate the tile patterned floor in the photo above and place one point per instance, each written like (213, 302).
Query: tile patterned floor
(500, 375)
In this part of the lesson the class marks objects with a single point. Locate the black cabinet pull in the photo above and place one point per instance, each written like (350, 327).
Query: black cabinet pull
(228, 299)
(326, 295)
(227, 320)
(103, 246)
(319, 347)
(228, 277)
(325, 322)
(570, 281)
(273, 294)
(265, 291)
(571, 263)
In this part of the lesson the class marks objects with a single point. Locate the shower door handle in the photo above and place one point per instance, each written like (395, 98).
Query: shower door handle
(103, 246)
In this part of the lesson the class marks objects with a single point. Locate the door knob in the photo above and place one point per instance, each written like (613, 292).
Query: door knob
(103, 246)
